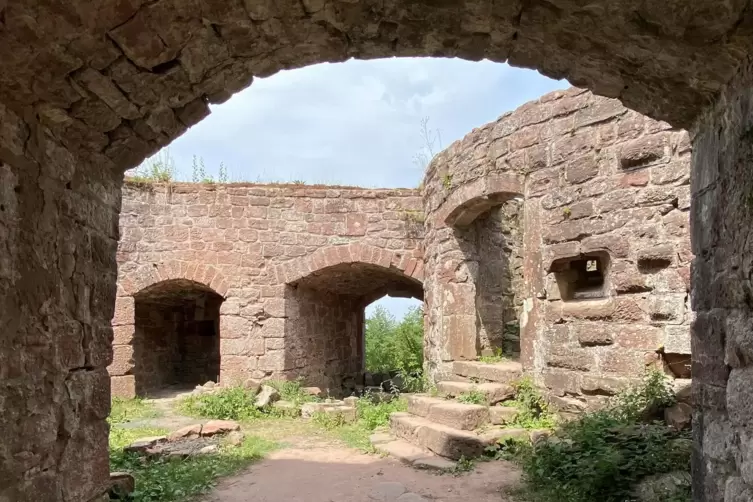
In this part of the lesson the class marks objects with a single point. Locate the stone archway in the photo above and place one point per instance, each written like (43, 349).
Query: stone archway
(88, 92)
(324, 329)
(176, 340)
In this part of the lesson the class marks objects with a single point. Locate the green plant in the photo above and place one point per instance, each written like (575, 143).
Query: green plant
(567, 212)
(447, 181)
(432, 142)
(473, 396)
(232, 403)
(497, 357)
(463, 465)
(397, 346)
(603, 455)
(533, 410)
(173, 480)
(371, 414)
(222, 176)
(160, 169)
(126, 410)
(292, 390)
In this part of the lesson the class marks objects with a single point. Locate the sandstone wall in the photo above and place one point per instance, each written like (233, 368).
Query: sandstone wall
(294, 264)
(58, 237)
(721, 335)
(597, 180)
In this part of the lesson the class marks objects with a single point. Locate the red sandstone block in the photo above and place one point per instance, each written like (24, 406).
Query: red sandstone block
(123, 386)
(124, 311)
(123, 335)
(122, 362)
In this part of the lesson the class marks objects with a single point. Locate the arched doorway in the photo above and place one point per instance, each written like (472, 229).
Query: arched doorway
(326, 320)
(176, 341)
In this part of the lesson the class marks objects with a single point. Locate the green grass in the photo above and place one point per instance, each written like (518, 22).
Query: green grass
(497, 357)
(232, 403)
(176, 480)
(473, 396)
(126, 410)
(292, 390)
(370, 415)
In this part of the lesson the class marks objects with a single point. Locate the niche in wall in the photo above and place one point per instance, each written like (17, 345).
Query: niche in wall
(583, 277)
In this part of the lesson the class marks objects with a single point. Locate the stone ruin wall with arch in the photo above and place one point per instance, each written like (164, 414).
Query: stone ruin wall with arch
(492, 243)
(88, 92)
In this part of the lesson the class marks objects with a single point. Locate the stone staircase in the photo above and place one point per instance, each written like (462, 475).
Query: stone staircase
(435, 431)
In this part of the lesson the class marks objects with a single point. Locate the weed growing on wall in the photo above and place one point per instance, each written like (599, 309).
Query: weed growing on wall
(533, 409)
(292, 390)
(158, 169)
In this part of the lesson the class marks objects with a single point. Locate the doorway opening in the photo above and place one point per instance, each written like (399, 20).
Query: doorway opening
(177, 336)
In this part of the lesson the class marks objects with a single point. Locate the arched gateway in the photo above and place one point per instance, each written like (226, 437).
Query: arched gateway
(89, 90)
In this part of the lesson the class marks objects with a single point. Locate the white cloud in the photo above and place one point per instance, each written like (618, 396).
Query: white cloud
(354, 123)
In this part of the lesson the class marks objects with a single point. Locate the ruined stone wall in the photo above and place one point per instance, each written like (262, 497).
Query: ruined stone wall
(253, 245)
(597, 180)
(58, 237)
(721, 335)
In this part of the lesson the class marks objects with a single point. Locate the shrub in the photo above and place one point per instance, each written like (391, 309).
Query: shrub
(601, 456)
(232, 403)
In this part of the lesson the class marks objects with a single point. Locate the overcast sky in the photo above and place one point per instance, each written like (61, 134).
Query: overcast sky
(353, 123)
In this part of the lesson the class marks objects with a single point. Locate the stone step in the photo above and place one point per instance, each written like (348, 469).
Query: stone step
(410, 454)
(461, 416)
(447, 441)
(504, 372)
(493, 392)
(502, 415)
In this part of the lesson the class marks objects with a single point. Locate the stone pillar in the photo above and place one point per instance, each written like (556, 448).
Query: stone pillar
(58, 238)
(722, 295)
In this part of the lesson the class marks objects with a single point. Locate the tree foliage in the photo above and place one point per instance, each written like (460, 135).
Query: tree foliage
(393, 345)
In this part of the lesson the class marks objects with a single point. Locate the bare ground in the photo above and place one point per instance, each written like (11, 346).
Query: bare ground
(320, 469)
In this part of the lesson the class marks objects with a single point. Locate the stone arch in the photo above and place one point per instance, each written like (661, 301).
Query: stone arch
(137, 284)
(469, 201)
(146, 276)
(325, 310)
(405, 263)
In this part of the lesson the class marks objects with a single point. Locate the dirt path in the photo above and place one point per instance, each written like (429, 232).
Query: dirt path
(320, 470)
(312, 466)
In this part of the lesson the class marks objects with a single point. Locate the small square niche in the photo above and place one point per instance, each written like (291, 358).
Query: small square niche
(583, 277)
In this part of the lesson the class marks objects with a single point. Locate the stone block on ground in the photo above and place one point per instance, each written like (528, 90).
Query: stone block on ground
(683, 390)
(214, 427)
(308, 410)
(313, 391)
(235, 438)
(189, 431)
(662, 487)
(266, 396)
(143, 444)
(212, 448)
(288, 408)
(122, 485)
(348, 414)
(501, 415)
(350, 401)
(253, 385)
(420, 404)
(679, 416)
